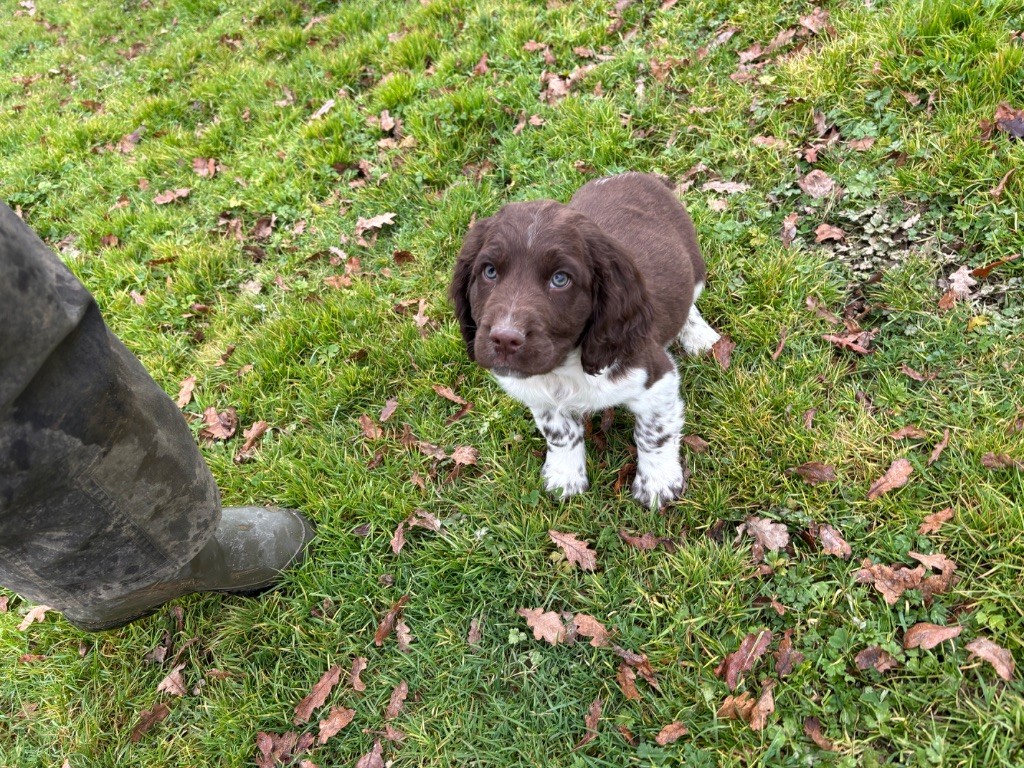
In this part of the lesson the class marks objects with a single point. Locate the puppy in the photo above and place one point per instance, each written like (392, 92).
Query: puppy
(572, 308)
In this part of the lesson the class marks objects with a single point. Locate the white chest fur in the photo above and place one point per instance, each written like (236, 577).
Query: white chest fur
(570, 389)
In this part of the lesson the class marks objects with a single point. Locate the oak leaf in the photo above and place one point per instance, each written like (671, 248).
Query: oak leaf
(591, 721)
(670, 733)
(318, 695)
(338, 718)
(896, 476)
(814, 472)
(545, 625)
(387, 624)
(188, 384)
(1000, 658)
(934, 521)
(576, 552)
(590, 627)
(926, 635)
(398, 697)
(38, 613)
(752, 647)
(875, 656)
(220, 425)
(148, 719)
(817, 184)
(372, 759)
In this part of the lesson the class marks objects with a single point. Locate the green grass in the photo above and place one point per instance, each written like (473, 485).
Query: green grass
(204, 82)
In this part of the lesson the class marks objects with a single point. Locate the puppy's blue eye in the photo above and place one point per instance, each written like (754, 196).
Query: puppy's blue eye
(489, 272)
(560, 280)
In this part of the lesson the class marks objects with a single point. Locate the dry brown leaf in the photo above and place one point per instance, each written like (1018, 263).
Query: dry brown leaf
(934, 521)
(387, 624)
(696, 444)
(398, 697)
(317, 696)
(752, 647)
(370, 429)
(909, 432)
(646, 542)
(814, 472)
(832, 542)
(789, 229)
(219, 425)
(372, 759)
(1010, 120)
(626, 678)
(671, 733)
(576, 552)
(389, 409)
(338, 718)
(374, 222)
(817, 184)
(170, 195)
(205, 167)
(764, 707)
(403, 636)
(358, 665)
(855, 341)
(279, 749)
(38, 613)
(875, 657)
(722, 350)
(640, 663)
(545, 625)
(3, 603)
(896, 476)
(173, 683)
(1000, 461)
(590, 627)
(828, 232)
(475, 631)
(786, 659)
(591, 721)
(737, 707)
(253, 435)
(890, 582)
(812, 727)
(188, 384)
(926, 635)
(767, 535)
(464, 455)
(148, 719)
(1000, 658)
(939, 448)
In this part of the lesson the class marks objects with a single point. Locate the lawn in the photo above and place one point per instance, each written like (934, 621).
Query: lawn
(269, 197)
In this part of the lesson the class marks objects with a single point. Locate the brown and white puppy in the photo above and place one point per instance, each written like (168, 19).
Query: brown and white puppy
(572, 308)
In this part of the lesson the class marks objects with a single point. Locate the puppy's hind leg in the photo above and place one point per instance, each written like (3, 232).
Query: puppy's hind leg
(697, 336)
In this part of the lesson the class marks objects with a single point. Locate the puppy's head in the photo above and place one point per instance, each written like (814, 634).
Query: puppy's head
(539, 279)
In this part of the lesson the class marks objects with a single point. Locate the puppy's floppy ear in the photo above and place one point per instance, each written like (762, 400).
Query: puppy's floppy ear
(462, 279)
(622, 315)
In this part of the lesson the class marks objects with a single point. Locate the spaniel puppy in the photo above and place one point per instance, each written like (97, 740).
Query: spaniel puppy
(572, 308)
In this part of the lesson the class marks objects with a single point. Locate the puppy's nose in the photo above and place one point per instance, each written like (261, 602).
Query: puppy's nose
(507, 340)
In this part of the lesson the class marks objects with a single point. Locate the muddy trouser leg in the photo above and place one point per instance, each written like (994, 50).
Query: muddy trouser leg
(102, 487)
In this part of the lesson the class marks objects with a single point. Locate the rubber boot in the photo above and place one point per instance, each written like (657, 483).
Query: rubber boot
(250, 548)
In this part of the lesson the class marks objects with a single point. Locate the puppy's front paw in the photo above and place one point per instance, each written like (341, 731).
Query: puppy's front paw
(563, 480)
(656, 490)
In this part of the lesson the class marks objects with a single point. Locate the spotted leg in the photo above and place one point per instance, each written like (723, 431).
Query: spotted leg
(565, 468)
(659, 425)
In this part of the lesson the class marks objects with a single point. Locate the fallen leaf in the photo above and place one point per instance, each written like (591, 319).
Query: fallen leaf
(935, 584)
(985, 271)
(881, 660)
(890, 582)
(998, 189)
(782, 343)
(671, 733)
(374, 222)
(475, 632)
(464, 455)
(961, 282)
(398, 697)
(3, 603)
(188, 384)
(1000, 461)
(387, 624)
(764, 707)
(722, 350)
(832, 542)
(358, 666)
(925, 635)
(855, 341)
(752, 647)
(646, 542)
(591, 721)
(390, 406)
(727, 187)
(403, 636)
(173, 683)
(816, 22)
(205, 167)
(640, 663)
(812, 728)
(38, 613)
(370, 429)
(576, 552)
(696, 444)
(786, 659)
(896, 476)
(219, 425)
(737, 707)
(148, 719)
(934, 521)
(828, 232)
(545, 625)
(590, 627)
(1000, 658)
(1010, 120)
(939, 448)
(814, 472)
(789, 229)
(817, 184)
(317, 696)
(626, 678)
(326, 107)
(253, 435)
(372, 759)
(912, 432)
(768, 535)
(338, 718)
(170, 195)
